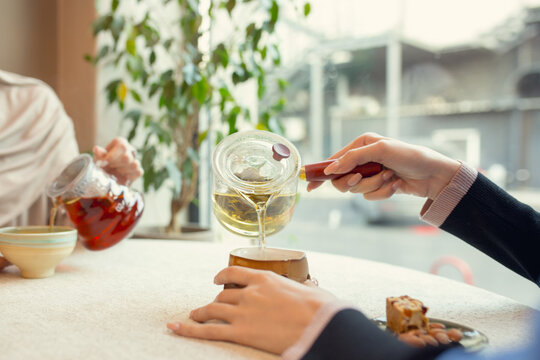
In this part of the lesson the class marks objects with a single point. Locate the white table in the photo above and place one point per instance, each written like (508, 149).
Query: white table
(115, 304)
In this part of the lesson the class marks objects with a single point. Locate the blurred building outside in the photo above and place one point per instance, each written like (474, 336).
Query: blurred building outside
(478, 101)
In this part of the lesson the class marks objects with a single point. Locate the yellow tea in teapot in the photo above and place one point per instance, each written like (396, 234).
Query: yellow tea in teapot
(239, 216)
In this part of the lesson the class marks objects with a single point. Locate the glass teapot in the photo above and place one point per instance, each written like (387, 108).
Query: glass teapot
(103, 211)
(255, 181)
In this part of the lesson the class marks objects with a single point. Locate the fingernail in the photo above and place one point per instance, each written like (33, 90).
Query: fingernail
(355, 179)
(191, 314)
(396, 185)
(387, 175)
(173, 326)
(332, 167)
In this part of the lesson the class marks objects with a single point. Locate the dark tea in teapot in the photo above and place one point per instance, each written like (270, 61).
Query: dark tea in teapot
(103, 221)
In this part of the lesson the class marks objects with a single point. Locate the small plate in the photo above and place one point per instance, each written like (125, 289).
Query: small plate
(473, 340)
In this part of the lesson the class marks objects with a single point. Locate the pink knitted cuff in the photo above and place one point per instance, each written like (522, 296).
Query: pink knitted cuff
(436, 211)
(314, 329)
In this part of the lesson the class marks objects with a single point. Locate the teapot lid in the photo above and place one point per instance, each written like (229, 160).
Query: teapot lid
(256, 161)
(79, 178)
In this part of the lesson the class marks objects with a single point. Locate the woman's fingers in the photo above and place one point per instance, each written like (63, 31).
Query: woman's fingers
(345, 182)
(312, 185)
(362, 140)
(119, 159)
(203, 331)
(99, 152)
(118, 153)
(229, 296)
(372, 183)
(237, 275)
(214, 311)
(385, 191)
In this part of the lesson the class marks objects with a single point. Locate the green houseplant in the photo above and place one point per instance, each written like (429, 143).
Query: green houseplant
(164, 102)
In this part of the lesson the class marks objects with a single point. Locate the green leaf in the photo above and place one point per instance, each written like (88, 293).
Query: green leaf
(152, 58)
(231, 120)
(110, 89)
(261, 89)
(211, 10)
(167, 44)
(159, 178)
(261, 126)
(247, 115)
(150, 34)
(162, 135)
(89, 58)
(102, 52)
(283, 84)
(166, 76)
(256, 38)
(279, 105)
(136, 96)
(250, 29)
(199, 90)
(148, 156)
(307, 9)
(117, 26)
(225, 93)
(274, 12)
(148, 178)
(130, 46)
(168, 93)
(153, 89)
(134, 115)
(263, 120)
(263, 52)
(175, 175)
(220, 56)
(230, 6)
(114, 5)
(203, 136)
(274, 54)
(219, 137)
(101, 23)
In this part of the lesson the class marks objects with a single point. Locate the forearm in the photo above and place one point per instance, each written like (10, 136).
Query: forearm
(350, 335)
(498, 225)
(477, 211)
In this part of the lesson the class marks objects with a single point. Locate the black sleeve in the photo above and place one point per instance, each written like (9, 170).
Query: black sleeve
(350, 335)
(497, 224)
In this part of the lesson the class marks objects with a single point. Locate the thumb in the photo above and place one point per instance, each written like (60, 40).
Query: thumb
(352, 159)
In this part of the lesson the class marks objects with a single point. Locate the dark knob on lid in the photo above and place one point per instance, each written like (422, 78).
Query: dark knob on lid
(280, 152)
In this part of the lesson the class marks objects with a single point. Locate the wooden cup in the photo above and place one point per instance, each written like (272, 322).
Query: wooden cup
(289, 263)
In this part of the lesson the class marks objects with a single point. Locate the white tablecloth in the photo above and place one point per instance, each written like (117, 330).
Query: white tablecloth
(115, 304)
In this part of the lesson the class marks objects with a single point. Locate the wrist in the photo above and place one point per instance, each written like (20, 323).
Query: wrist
(442, 177)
